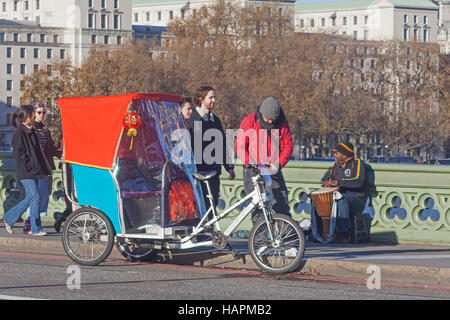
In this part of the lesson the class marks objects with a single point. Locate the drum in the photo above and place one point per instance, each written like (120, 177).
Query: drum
(323, 203)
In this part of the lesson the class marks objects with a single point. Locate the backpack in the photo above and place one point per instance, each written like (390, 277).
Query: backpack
(181, 201)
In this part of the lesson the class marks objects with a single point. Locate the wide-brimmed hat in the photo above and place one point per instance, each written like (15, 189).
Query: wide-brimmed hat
(346, 149)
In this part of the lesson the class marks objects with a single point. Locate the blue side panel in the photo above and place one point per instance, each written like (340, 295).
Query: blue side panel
(96, 188)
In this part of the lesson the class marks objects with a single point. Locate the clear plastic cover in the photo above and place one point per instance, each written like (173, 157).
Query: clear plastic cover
(149, 162)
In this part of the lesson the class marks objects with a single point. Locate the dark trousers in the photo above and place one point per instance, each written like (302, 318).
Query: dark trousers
(347, 204)
(279, 203)
(214, 185)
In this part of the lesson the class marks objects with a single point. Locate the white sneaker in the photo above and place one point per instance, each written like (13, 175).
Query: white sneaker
(42, 233)
(261, 251)
(9, 228)
(292, 252)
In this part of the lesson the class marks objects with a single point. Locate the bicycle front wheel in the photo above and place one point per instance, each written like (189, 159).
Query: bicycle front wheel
(282, 254)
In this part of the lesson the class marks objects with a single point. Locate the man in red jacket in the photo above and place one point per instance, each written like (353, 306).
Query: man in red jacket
(265, 138)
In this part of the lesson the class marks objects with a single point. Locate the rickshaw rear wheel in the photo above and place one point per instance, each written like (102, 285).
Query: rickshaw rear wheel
(132, 251)
(88, 236)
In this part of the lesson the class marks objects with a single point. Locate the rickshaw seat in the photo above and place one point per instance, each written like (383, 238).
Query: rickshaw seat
(139, 194)
(201, 176)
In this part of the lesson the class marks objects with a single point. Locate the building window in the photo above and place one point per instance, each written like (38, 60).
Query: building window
(15, 6)
(362, 63)
(90, 20)
(49, 53)
(36, 53)
(55, 38)
(425, 35)
(106, 40)
(36, 67)
(27, 5)
(103, 4)
(302, 23)
(415, 19)
(4, 7)
(344, 21)
(42, 38)
(116, 21)
(136, 17)
(2, 36)
(90, 4)
(15, 37)
(147, 15)
(366, 34)
(405, 18)
(355, 35)
(9, 102)
(22, 53)
(159, 15)
(9, 68)
(311, 23)
(366, 19)
(23, 69)
(62, 54)
(9, 52)
(103, 21)
(116, 4)
(323, 22)
(355, 20)
(171, 15)
(372, 63)
(425, 20)
(119, 40)
(37, 5)
(8, 85)
(405, 34)
(416, 34)
(93, 39)
(29, 35)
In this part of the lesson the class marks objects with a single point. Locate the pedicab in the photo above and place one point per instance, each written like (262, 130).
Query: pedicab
(131, 177)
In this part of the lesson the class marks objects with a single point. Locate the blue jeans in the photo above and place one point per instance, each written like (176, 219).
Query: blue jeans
(348, 203)
(36, 197)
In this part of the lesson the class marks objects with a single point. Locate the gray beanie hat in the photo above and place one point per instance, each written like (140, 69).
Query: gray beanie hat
(270, 108)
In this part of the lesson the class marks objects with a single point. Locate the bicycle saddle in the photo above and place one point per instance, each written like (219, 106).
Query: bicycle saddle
(204, 175)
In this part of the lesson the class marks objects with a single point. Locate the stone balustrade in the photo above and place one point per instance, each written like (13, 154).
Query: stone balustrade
(410, 203)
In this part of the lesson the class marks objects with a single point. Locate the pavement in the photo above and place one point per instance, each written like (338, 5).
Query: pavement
(399, 264)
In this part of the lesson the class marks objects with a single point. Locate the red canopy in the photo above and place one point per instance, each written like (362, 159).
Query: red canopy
(92, 127)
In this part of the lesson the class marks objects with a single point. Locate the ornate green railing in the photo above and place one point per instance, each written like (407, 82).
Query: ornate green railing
(410, 203)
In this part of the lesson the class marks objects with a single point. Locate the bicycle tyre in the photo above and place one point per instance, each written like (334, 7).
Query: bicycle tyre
(272, 258)
(88, 230)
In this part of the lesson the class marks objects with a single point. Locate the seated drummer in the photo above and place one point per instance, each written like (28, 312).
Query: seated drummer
(349, 174)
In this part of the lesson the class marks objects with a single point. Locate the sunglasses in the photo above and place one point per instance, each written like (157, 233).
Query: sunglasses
(41, 112)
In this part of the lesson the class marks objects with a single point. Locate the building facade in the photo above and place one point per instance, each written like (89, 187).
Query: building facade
(401, 20)
(35, 33)
(444, 26)
(161, 12)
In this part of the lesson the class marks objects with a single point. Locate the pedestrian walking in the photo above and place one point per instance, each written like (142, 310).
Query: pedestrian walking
(32, 169)
(50, 150)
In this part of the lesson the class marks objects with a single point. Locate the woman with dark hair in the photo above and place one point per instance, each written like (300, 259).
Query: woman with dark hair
(32, 170)
(48, 147)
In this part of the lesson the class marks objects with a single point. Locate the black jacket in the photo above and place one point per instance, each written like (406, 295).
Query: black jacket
(202, 166)
(30, 160)
(352, 178)
(50, 149)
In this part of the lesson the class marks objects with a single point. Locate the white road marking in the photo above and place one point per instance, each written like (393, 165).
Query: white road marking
(4, 297)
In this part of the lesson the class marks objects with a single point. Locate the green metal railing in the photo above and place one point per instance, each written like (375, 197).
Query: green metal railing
(410, 203)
